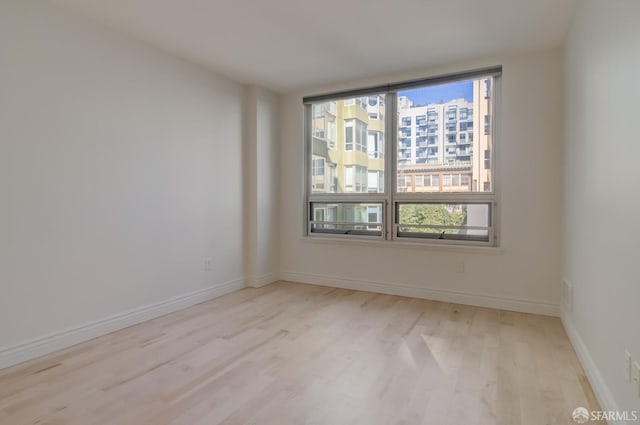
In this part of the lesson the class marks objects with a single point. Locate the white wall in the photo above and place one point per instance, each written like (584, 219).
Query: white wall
(602, 197)
(261, 186)
(524, 274)
(120, 173)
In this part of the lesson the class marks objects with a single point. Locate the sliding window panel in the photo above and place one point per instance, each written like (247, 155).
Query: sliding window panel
(470, 222)
(347, 218)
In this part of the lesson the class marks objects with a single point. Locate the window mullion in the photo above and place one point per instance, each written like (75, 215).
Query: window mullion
(391, 133)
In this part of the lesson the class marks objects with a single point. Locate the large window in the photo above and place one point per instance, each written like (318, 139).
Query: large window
(404, 162)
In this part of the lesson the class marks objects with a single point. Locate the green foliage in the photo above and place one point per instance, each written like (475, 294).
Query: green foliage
(430, 214)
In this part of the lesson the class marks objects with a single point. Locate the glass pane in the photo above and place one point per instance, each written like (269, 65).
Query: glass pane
(445, 137)
(461, 221)
(347, 152)
(349, 218)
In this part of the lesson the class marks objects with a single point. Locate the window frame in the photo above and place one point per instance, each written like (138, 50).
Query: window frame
(391, 197)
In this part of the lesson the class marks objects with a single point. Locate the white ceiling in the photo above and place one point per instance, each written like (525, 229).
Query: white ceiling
(289, 44)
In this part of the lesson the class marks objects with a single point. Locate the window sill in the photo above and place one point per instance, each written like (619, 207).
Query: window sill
(423, 246)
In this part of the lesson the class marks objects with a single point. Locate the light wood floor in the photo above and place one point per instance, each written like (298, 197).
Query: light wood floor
(301, 354)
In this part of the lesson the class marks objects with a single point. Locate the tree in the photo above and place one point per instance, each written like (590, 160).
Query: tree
(430, 214)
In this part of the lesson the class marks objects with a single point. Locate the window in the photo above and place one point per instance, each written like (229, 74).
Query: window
(469, 222)
(355, 130)
(331, 134)
(317, 173)
(355, 178)
(375, 144)
(368, 180)
(348, 135)
(375, 182)
(355, 219)
(348, 178)
(331, 177)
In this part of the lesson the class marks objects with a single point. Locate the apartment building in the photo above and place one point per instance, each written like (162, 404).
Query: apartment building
(348, 156)
(446, 146)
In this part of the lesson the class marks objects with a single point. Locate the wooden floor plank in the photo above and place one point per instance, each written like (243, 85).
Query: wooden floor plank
(301, 354)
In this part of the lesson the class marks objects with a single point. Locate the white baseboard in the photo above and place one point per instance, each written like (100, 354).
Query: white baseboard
(55, 341)
(600, 388)
(480, 300)
(262, 280)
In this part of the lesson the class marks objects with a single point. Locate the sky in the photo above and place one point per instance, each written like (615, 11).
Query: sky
(445, 92)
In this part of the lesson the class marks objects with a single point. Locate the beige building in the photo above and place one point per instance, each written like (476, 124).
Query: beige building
(348, 157)
(348, 146)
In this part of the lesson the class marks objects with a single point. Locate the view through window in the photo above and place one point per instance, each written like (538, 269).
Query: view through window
(430, 176)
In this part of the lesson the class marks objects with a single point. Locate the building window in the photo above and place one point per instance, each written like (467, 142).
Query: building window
(331, 134)
(348, 135)
(355, 130)
(331, 177)
(440, 188)
(318, 167)
(355, 178)
(375, 144)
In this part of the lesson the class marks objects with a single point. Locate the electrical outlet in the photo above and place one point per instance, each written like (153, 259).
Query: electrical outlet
(208, 264)
(635, 380)
(627, 366)
(460, 266)
(567, 295)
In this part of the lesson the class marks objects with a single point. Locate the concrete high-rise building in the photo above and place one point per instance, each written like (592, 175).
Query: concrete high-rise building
(446, 146)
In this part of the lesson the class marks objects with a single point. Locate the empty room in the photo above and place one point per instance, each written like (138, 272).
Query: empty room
(218, 212)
